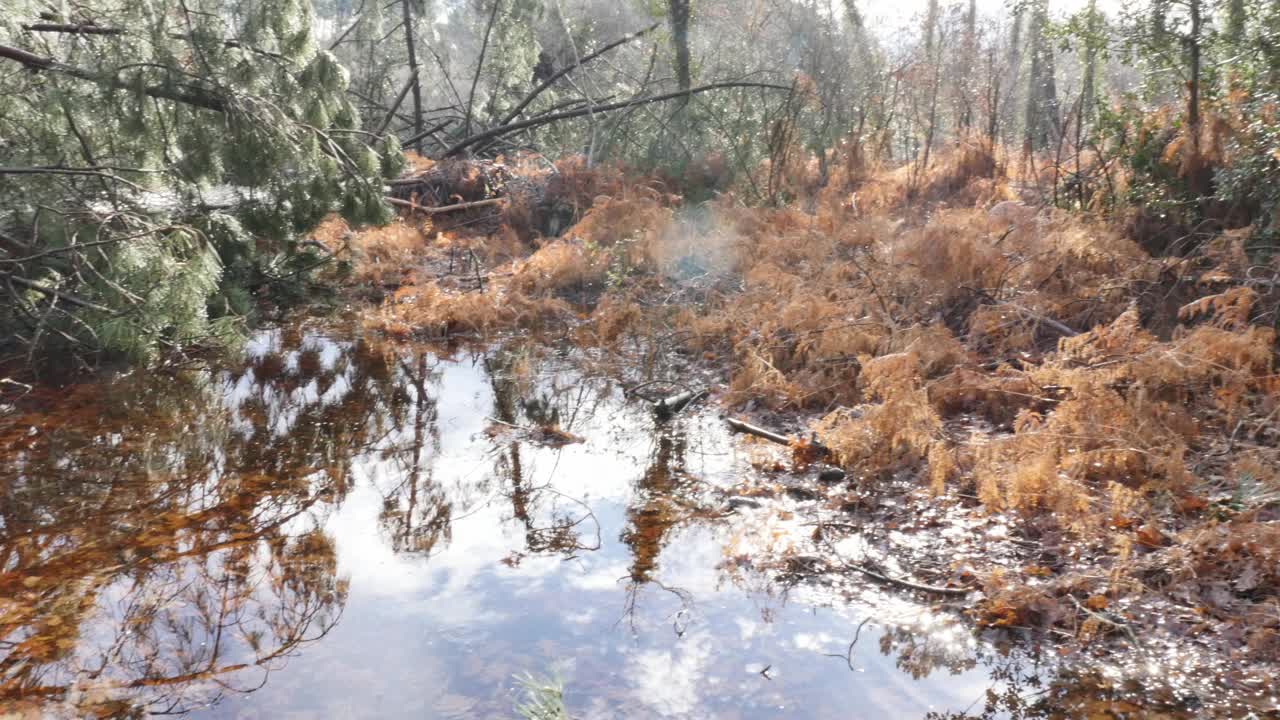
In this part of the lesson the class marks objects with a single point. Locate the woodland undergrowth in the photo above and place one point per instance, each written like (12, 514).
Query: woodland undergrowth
(1121, 409)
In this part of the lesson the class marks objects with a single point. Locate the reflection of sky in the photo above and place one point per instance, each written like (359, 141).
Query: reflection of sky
(443, 636)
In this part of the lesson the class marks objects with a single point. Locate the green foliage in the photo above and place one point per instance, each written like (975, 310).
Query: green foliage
(228, 103)
(1250, 179)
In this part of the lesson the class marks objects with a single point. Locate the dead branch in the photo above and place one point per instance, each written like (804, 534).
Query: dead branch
(1056, 325)
(99, 171)
(889, 579)
(76, 29)
(343, 36)
(746, 427)
(443, 208)
(592, 109)
(395, 106)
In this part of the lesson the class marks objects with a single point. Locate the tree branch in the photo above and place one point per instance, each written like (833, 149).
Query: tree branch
(519, 108)
(395, 106)
(53, 292)
(591, 109)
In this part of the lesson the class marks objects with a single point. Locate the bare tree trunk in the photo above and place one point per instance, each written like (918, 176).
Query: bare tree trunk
(1088, 88)
(475, 79)
(678, 11)
(1042, 93)
(407, 12)
(1014, 69)
(1236, 16)
(1193, 94)
(930, 27)
(965, 82)
(1199, 176)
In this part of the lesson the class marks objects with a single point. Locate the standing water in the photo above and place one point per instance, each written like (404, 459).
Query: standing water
(337, 529)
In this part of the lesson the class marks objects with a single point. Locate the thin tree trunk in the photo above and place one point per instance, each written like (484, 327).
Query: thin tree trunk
(678, 11)
(412, 49)
(965, 82)
(475, 79)
(1014, 70)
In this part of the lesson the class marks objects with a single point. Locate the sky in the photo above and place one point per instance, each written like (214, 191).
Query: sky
(900, 10)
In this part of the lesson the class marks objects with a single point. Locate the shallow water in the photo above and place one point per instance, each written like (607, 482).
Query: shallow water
(338, 529)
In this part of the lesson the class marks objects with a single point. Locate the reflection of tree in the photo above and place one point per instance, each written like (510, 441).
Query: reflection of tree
(518, 398)
(658, 512)
(160, 538)
(415, 512)
(920, 652)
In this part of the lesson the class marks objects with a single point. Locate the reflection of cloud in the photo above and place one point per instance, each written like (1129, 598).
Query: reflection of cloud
(668, 680)
(603, 577)
(816, 642)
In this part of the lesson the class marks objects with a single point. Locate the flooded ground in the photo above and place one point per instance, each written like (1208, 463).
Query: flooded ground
(338, 529)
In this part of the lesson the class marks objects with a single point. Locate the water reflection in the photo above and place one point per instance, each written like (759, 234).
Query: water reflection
(342, 527)
(162, 543)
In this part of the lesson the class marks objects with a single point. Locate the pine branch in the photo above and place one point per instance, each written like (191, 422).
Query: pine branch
(91, 29)
(97, 171)
(200, 99)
